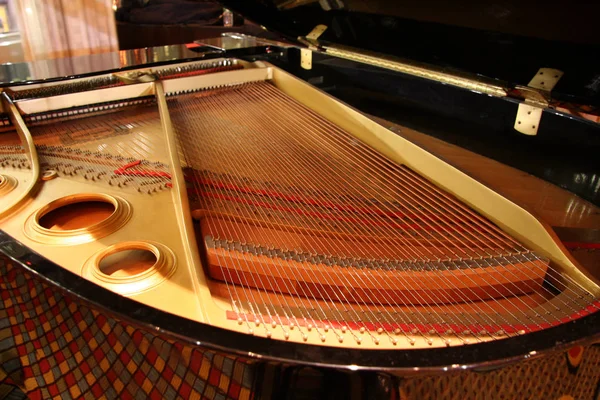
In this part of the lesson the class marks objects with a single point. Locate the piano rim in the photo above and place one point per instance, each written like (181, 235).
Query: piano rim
(197, 334)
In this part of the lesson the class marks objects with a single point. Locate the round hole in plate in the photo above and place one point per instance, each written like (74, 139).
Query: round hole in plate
(7, 183)
(77, 215)
(77, 218)
(127, 262)
(130, 267)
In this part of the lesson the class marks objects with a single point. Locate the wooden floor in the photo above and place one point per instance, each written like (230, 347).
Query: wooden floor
(574, 219)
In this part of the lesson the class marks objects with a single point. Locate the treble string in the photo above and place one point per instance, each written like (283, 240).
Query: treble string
(99, 146)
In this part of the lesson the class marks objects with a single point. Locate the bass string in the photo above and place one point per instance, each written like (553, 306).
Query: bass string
(442, 194)
(252, 167)
(445, 195)
(212, 129)
(369, 165)
(467, 277)
(234, 300)
(181, 121)
(229, 107)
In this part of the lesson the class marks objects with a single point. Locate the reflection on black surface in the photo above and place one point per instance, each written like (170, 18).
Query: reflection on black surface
(14, 73)
(574, 167)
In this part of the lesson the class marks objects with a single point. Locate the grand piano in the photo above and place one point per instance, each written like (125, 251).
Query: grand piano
(369, 200)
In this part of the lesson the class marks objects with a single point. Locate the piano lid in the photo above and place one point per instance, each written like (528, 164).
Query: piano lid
(507, 41)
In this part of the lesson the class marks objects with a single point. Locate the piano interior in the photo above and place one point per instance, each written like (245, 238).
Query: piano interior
(237, 195)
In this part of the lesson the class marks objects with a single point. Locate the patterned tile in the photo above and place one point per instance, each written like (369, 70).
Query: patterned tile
(53, 347)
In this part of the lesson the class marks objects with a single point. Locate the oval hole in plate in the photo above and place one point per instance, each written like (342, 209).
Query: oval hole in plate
(77, 215)
(127, 262)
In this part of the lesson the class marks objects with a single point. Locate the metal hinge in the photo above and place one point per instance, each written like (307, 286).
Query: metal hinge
(306, 54)
(537, 95)
(306, 58)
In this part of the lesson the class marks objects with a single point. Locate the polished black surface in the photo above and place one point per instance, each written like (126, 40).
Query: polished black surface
(72, 67)
(484, 355)
(564, 152)
(508, 57)
(13, 74)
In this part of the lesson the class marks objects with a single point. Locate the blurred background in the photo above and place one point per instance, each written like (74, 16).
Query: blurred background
(32, 30)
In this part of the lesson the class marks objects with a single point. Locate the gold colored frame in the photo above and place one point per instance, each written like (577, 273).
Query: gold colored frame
(184, 290)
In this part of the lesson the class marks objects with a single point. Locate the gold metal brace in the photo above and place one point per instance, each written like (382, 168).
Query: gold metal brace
(28, 145)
